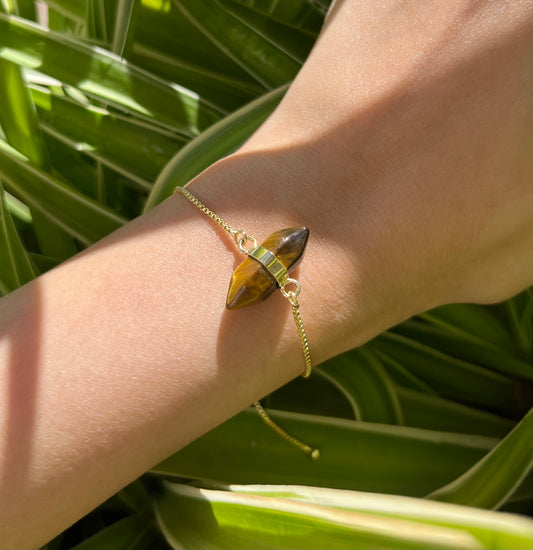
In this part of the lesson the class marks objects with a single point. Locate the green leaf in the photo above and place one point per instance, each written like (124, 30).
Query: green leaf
(493, 479)
(465, 346)
(428, 411)
(134, 532)
(163, 27)
(361, 377)
(43, 263)
(219, 89)
(400, 374)
(124, 31)
(304, 14)
(20, 124)
(354, 455)
(520, 312)
(294, 42)
(193, 518)
(473, 322)
(80, 216)
(220, 140)
(105, 76)
(16, 267)
(492, 529)
(451, 377)
(76, 11)
(135, 149)
(258, 55)
(72, 166)
(24, 8)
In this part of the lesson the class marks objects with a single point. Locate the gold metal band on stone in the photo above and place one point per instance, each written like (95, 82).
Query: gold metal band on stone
(271, 263)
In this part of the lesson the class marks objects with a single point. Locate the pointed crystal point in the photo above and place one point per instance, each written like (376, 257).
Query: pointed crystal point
(251, 282)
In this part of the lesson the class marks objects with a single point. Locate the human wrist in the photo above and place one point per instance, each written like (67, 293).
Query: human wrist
(348, 295)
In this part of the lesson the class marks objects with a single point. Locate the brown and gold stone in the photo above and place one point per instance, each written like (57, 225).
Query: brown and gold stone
(251, 282)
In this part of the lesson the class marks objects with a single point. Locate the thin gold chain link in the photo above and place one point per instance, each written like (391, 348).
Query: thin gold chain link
(313, 453)
(303, 339)
(226, 226)
(241, 238)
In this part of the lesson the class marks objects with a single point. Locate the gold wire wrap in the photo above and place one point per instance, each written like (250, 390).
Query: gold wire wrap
(278, 271)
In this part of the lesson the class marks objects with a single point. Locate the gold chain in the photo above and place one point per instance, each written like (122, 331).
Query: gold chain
(242, 239)
(226, 226)
(303, 339)
(313, 453)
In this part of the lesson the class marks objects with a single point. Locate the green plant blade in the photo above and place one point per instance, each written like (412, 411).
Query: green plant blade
(489, 482)
(80, 216)
(133, 148)
(431, 412)
(473, 322)
(18, 118)
(16, 267)
(520, 312)
(217, 142)
(259, 56)
(163, 27)
(301, 14)
(294, 42)
(354, 455)
(463, 346)
(124, 31)
(105, 76)
(20, 125)
(454, 378)
(492, 529)
(366, 384)
(24, 8)
(134, 532)
(400, 374)
(194, 518)
(221, 90)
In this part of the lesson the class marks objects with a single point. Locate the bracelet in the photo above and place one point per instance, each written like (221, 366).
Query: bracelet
(266, 267)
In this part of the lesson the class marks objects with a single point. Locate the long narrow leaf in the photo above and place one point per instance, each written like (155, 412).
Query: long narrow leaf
(124, 30)
(492, 529)
(490, 482)
(219, 89)
(134, 532)
(354, 455)
(82, 217)
(294, 42)
(105, 76)
(361, 377)
(431, 412)
(464, 346)
(194, 518)
(259, 56)
(217, 142)
(473, 322)
(16, 267)
(20, 125)
(137, 150)
(453, 378)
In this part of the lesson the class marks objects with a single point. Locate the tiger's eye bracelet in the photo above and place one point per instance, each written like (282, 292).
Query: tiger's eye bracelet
(265, 268)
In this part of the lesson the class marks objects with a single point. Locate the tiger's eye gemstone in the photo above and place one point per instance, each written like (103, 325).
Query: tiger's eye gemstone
(251, 282)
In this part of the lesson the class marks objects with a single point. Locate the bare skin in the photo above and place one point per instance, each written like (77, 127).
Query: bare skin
(404, 145)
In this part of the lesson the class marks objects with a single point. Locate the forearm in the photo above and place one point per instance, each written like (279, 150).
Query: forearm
(124, 354)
